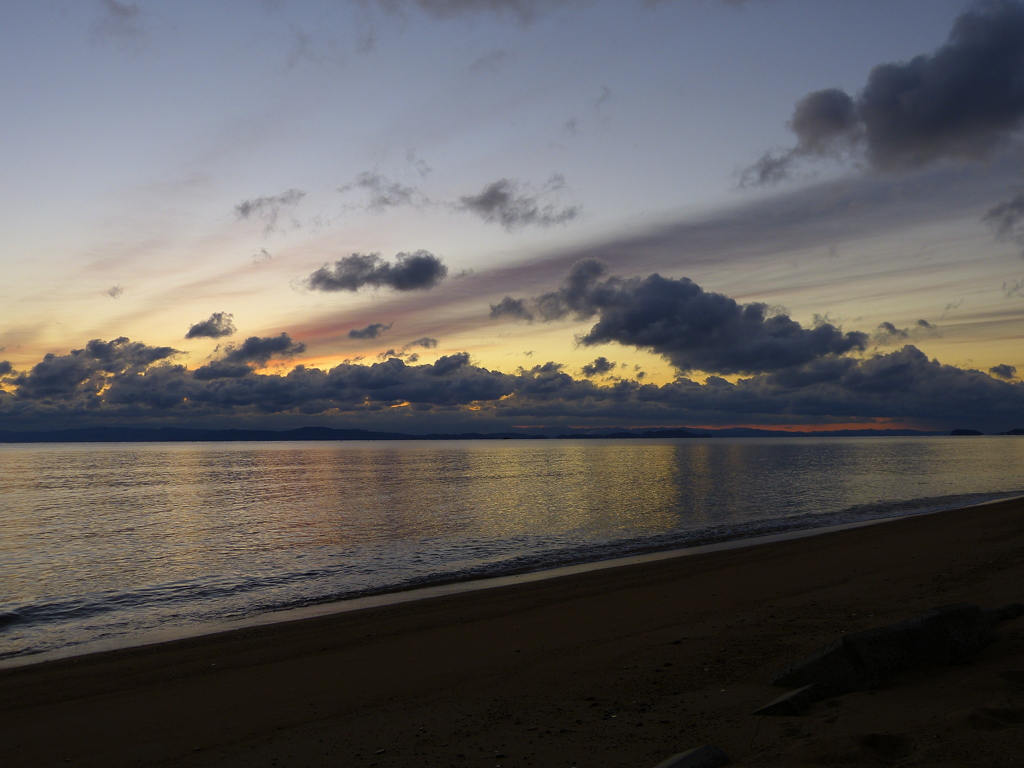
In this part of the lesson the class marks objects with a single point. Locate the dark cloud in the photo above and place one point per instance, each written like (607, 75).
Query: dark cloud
(222, 369)
(509, 307)
(6, 367)
(269, 209)
(260, 349)
(409, 272)
(127, 382)
(888, 334)
(599, 367)
(692, 328)
(424, 341)
(383, 192)
(963, 102)
(1003, 371)
(513, 204)
(86, 371)
(372, 331)
(239, 360)
(216, 326)
(1007, 218)
(114, 292)
(405, 352)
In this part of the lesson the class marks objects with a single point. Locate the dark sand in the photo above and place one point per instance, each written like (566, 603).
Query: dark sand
(620, 667)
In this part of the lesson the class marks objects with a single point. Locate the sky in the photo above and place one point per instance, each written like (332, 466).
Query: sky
(512, 215)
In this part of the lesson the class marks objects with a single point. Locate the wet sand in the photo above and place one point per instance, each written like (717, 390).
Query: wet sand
(617, 667)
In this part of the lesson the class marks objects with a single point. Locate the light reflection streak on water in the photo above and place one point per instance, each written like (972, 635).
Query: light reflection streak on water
(181, 532)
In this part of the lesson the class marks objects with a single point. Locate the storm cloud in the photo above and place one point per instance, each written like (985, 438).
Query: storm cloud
(409, 272)
(692, 328)
(513, 204)
(962, 102)
(216, 326)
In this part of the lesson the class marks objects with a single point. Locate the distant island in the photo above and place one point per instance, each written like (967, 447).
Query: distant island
(181, 434)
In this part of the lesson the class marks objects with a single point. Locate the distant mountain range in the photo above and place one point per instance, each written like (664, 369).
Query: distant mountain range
(177, 434)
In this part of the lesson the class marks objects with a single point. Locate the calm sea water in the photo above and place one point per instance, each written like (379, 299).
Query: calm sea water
(109, 542)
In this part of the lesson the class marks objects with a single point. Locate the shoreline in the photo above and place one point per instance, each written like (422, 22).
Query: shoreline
(616, 666)
(456, 586)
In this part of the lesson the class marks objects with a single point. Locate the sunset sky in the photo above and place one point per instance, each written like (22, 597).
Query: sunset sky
(456, 215)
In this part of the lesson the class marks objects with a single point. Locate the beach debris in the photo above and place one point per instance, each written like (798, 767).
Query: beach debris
(951, 634)
(794, 702)
(701, 757)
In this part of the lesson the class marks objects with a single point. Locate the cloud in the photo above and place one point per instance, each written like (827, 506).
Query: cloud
(888, 334)
(86, 371)
(424, 341)
(383, 192)
(1003, 371)
(269, 209)
(404, 353)
(256, 351)
(260, 349)
(1007, 218)
(691, 328)
(965, 101)
(119, 21)
(6, 367)
(128, 382)
(523, 11)
(514, 308)
(513, 204)
(372, 331)
(114, 291)
(599, 367)
(216, 326)
(420, 270)
(492, 61)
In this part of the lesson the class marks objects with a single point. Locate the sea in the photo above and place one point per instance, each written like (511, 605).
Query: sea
(116, 544)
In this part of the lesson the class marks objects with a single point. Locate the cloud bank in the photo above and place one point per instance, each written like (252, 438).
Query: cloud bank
(782, 373)
(107, 382)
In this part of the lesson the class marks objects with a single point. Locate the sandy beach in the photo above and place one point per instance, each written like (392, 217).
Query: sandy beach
(617, 667)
